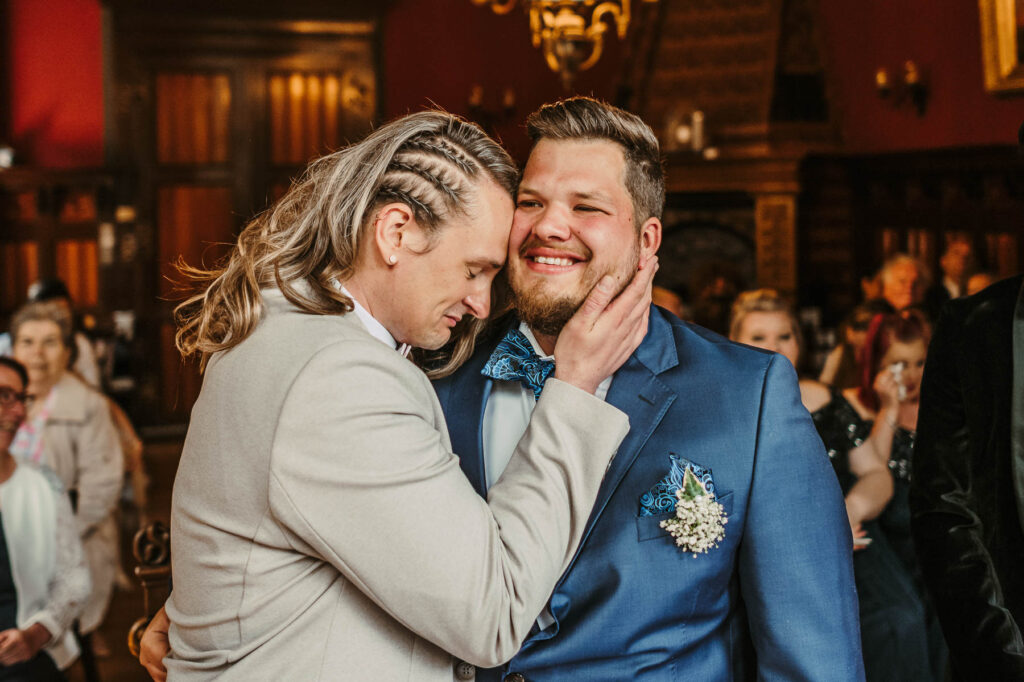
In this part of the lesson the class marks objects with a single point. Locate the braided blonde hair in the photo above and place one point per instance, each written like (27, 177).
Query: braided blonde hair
(431, 161)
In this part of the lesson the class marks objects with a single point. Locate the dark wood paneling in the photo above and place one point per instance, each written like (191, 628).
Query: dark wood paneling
(857, 210)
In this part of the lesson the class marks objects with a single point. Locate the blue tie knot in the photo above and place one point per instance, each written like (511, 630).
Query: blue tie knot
(515, 359)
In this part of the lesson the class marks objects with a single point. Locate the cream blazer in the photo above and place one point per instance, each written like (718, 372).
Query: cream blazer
(322, 528)
(81, 445)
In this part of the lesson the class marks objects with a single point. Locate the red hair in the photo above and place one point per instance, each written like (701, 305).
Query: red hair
(886, 328)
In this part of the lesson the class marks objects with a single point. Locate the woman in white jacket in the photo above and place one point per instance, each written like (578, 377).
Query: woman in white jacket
(44, 581)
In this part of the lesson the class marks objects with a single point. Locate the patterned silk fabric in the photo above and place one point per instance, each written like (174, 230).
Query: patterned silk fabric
(515, 359)
(661, 499)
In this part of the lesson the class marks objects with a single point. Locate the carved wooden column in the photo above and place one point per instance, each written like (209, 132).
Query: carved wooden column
(775, 221)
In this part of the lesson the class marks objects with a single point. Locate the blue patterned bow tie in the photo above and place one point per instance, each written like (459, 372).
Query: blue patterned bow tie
(515, 359)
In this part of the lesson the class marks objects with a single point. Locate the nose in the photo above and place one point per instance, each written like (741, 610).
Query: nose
(479, 302)
(552, 226)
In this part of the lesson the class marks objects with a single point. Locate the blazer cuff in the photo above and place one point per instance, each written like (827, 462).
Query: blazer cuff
(585, 411)
(46, 619)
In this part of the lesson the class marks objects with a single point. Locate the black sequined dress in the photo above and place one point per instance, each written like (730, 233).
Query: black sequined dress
(895, 630)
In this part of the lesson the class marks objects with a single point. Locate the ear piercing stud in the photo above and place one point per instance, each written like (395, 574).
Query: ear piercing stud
(392, 259)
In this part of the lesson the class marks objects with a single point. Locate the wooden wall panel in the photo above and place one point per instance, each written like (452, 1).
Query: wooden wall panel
(306, 114)
(193, 112)
(195, 224)
(78, 266)
(19, 267)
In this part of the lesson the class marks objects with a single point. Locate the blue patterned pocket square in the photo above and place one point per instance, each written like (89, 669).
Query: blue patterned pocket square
(661, 499)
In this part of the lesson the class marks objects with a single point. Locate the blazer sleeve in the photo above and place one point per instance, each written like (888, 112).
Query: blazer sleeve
(948, 534)
(363, 477)
(100, 465)
(70, 584)
(795, 561)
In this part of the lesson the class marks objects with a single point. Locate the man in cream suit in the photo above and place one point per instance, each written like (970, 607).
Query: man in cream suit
(322, 528)
(637, 603)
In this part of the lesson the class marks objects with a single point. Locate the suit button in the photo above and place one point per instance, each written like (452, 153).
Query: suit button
(464, 671)
(514, 677)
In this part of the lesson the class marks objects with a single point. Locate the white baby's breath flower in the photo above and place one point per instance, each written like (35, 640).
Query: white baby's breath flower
(699, 524)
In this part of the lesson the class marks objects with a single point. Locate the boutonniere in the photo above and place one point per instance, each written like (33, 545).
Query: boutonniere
(699, 523)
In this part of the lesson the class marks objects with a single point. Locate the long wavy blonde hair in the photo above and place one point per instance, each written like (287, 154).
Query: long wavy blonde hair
(431, 161)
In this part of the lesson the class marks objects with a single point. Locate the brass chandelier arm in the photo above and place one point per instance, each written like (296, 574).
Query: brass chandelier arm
(563, 29)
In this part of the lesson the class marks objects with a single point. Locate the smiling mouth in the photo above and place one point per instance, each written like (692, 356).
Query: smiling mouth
(548, 260)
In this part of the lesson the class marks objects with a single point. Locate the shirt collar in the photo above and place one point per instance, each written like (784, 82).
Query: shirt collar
(528, 333)
(373, 326)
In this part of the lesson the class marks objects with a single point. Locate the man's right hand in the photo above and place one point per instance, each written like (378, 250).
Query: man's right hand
(155, 645)
(603, 333)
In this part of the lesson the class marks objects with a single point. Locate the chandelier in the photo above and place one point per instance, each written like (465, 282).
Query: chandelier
(570, 33)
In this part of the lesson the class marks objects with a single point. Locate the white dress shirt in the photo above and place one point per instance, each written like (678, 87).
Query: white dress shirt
(376, 329)
(505, 420)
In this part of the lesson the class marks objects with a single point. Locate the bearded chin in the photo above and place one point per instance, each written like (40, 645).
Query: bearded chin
(543, 314)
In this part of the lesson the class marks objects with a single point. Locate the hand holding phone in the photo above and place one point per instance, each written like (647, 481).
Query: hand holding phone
(896, 369)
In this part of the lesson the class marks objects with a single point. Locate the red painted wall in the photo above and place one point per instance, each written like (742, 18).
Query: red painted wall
(944, 38)
(56, 81)
(435, 50)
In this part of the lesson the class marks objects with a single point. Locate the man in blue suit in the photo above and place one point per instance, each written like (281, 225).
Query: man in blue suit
(634, 604)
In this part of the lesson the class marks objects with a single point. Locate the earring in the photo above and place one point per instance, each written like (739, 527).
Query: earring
(392, 259)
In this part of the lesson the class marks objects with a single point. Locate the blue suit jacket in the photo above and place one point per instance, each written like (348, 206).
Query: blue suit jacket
(633, 606)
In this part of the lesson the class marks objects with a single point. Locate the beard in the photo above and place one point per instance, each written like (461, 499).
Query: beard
(543, 313)
(546, 313)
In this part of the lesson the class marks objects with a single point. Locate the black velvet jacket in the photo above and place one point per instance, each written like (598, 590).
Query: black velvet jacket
(964, 500)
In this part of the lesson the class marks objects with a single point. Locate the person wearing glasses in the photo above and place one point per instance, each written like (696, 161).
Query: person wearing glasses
(44, 581)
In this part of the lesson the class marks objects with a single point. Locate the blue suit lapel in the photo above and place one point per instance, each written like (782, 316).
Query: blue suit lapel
(637, 391)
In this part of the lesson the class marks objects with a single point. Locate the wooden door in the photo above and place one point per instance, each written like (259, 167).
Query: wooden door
(216, 117)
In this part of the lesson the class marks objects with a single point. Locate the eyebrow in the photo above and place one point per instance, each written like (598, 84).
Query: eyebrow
(598, 196)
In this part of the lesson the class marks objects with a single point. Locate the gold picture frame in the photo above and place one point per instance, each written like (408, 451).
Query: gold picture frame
(1002, 44)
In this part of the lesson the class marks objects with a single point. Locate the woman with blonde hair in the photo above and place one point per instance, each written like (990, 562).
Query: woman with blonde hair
(892, 614)
(322, 527)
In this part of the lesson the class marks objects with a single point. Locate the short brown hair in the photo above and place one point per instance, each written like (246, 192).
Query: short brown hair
(585, 118)
(44, 311)
(47, 311)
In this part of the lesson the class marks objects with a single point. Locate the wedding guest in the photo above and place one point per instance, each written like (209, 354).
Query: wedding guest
(903, 281)
(978, 281)
(892, 363)
(669, 300)
(43, 577)
(953, 266)
(322, 527)
(892, 620)
(841, 369)
(70, 430)
(967, 493)
(83, 356)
